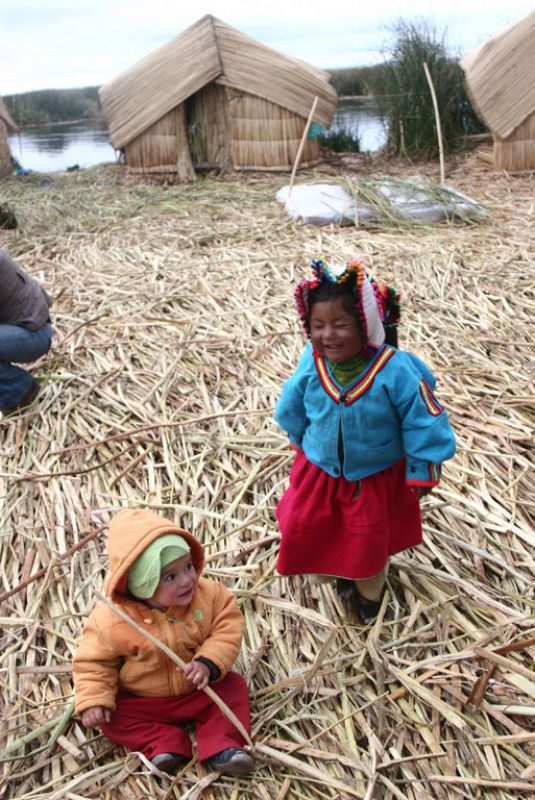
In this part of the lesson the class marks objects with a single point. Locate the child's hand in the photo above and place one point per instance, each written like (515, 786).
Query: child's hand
(198, 673)
(95, 716)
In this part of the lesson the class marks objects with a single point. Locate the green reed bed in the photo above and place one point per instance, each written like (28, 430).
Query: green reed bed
(404, 99)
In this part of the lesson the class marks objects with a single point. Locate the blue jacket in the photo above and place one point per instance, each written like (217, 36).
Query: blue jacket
(389, 412)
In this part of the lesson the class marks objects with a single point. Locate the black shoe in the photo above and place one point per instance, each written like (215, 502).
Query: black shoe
(357, 608)
(367, 610)
(169, 762)
(232, 761)
(27, 398)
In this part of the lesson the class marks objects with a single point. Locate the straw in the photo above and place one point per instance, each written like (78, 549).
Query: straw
(174, 328)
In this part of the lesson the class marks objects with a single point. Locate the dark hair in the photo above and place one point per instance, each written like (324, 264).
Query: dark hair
(330, 291)
(391, 318)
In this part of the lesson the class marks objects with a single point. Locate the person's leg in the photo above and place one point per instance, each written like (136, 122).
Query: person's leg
(215, 732)
(372, 588)
(362, 598)
(321, 579)
(23, 345)
(146, 724)
(15, 383)
(20, 345)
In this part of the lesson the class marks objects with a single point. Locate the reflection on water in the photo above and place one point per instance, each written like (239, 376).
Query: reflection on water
(55, 147)
(359, 117)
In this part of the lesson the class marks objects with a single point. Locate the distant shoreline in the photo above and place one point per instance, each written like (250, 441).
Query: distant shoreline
(64, 122)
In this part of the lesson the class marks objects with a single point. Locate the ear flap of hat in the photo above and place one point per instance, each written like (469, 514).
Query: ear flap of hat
(370, 316)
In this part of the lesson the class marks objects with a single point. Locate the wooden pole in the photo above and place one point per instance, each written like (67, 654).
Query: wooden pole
(437, 118)
(302, 143)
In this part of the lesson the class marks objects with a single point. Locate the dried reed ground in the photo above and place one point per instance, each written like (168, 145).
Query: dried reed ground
(174, 330)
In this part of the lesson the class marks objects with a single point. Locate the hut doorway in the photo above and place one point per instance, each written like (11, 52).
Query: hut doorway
(207, 120)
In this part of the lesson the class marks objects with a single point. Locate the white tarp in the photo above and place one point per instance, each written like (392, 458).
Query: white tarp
(378, 201)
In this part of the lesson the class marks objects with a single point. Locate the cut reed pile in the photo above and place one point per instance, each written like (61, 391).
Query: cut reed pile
(174, 330)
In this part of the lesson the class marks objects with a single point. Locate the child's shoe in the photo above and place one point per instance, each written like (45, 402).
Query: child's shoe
(169, 762)
(367, 610)
(358, 609)
(232, 761)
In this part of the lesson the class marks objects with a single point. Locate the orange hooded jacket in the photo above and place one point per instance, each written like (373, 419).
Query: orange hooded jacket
(113, 656)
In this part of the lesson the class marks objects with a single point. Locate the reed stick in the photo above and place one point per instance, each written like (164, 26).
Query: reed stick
(437, 121)
(302, 143)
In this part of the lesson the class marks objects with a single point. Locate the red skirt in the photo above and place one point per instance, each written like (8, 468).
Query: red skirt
(332, 526)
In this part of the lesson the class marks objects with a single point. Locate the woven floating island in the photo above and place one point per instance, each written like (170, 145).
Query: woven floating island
(174, 328)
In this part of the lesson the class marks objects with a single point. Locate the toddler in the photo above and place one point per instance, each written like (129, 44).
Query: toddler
(127, 686)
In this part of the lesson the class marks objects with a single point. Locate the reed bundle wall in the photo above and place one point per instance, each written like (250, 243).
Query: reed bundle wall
(499, 76)
(258, 70)
(516, 153)
(207, 52)
(6, 117)
(163, 147)
(6, 124)
(499, 82)
(6, 167)
(266, 136)
(220, 128)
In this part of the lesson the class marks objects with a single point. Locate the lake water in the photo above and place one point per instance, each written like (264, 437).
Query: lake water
(359, 117)
(56, 147)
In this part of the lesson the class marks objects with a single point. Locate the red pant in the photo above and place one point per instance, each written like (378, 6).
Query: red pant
(152, 724)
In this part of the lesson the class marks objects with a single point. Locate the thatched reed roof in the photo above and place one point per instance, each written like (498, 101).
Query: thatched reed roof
(6, 117)
(210, 50)
(499, 77)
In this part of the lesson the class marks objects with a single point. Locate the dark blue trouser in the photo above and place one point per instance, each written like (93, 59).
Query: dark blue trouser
(20, 345)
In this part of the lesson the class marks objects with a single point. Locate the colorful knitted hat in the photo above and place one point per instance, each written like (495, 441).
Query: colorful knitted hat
(376, 304)
(144, 574)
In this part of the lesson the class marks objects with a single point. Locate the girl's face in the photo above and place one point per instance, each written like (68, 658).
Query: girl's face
(333, 331)
(178, 581)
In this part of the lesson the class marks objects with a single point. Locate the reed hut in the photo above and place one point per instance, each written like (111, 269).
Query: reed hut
(212, 98)
(499, 79)
(6, 125)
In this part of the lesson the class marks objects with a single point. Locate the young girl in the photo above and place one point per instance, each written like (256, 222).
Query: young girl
(127, 686)
(369, 433)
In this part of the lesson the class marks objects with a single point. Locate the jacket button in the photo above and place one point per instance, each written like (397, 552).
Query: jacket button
(147, 621)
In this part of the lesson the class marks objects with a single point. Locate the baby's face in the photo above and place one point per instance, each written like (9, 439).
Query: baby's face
(178, 581)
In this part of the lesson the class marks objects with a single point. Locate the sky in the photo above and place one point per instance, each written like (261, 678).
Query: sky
(56, 44)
